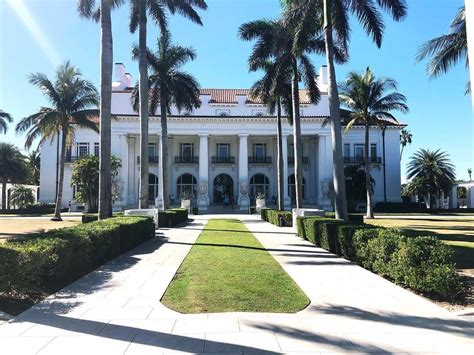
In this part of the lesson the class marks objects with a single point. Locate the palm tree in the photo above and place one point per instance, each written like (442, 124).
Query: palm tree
(435, 169)
(13, 168)
(102, 14)
(469, 172)
(168, 86)
(275, 91)
(4, 118)
(405, 138)
(333, 17)
(447, 50)
(21, 197)
(275, 42)
(370, 101)
(34, 162)
(138, 19)
(73, 101)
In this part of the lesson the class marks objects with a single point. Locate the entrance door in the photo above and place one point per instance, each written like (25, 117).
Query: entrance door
(223, 187)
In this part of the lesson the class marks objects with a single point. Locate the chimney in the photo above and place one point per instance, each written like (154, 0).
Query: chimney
(119, 72)
(323, 76)
(128, 80)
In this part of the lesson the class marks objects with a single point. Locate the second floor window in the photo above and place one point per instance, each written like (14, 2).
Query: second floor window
(373, 150)
(291, 150)
(96, 149)
(223, 150)
(152, 150)
(259, 150)
(359, 151)
(347, 150)
(82, 149)
(186, 150)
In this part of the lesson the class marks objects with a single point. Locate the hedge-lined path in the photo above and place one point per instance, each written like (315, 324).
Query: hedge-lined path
(116, 309)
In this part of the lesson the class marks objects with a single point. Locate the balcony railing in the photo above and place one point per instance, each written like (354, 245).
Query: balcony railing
(152, 159)
(223, 160)
(260, 160)
(360, 160)
(186, 160)
(291, 160)
(71, 158)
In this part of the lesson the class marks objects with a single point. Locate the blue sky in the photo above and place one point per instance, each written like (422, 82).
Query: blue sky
(42, 33)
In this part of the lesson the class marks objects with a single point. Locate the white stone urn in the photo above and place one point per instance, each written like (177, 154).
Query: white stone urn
(186, 204)
(260, 202)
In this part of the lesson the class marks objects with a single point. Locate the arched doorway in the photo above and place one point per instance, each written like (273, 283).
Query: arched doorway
(223, 186)
(259, 183)
(186, 185)
(292, 188)
(152, 187)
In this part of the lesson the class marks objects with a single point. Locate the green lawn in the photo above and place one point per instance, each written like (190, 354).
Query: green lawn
(228, 270)
(457, 232)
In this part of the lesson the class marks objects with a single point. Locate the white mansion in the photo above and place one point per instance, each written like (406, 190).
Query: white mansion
(227, 149)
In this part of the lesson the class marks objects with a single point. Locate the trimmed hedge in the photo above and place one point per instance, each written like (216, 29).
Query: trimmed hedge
(399, 207)
(41, 208)
(172, 217)
(273, 216)
(48, 261)
(423, 264)
(352, 217)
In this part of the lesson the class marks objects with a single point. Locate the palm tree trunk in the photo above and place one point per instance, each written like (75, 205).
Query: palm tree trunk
(106, 59)
(4, 195)
(333, 96)
(384, 170)
(59, 196)
(368, 185)
(298, 146)
(401, 152)
(281, 205)
(164, 151)
(143, 94)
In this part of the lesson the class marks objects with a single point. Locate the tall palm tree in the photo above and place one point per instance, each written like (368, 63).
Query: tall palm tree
(21, 197)
(274, 89)
(275, 42)
(13, 168)
(447, 50)
(34, 162)
(73, 102)
(138, 19)
(333, 17)
(102, 14)
(168, 86)
(4, 118)
(370, 101)
(405, 139)
(434, 169)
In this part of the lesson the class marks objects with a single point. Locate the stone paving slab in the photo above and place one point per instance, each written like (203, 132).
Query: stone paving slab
(116, 309)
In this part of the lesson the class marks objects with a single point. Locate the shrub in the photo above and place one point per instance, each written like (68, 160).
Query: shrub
(41, 208)
(345, 235)
(300, 228)
(273, 216)
(172, 217)
(399, 207)
(251, 210)
(50, 260)
(352, 217)
(89, 217)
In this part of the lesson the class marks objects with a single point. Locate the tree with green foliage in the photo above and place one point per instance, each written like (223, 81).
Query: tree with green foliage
(157, 10)
(34, 164)
(21, 197)
(13, 168)
(4, 119)
(447, 50)
(370, 101)
(168, 85)
(275, 43)
(333, 17)
(405, 139)
(73, 103)
(85, 176)
(433, 173)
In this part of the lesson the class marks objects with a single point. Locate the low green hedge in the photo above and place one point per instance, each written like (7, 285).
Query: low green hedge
(172, 217)
(352, 217)
(48, 261)
(252, 210)
(423, 264)
(40, 208)
(273, 216)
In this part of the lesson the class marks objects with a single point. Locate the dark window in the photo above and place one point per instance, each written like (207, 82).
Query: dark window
(223, 150)
(259, 184)
(186, 185)
(96, 149)
(259, 150)
(152, 187)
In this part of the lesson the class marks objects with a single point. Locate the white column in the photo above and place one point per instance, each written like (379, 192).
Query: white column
(284, 148)
(122, 183)
(453, 197)
(159, 199)
(324, 171)
(203, 194)
(243, 200)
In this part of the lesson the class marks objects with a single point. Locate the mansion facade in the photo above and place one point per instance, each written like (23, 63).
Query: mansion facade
(225, 151)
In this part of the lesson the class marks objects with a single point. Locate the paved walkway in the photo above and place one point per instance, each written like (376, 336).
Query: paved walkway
(116, 309)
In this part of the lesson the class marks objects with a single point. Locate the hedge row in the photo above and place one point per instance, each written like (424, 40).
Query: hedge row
(423, 264)
(41, 208)
(352, 217)
(48, 261)
(273, 216)
(172, 217)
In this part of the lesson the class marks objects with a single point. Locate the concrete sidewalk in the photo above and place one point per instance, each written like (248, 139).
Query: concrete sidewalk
(116, 309)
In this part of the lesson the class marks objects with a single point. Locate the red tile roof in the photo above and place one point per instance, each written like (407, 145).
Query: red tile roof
(229, 96)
